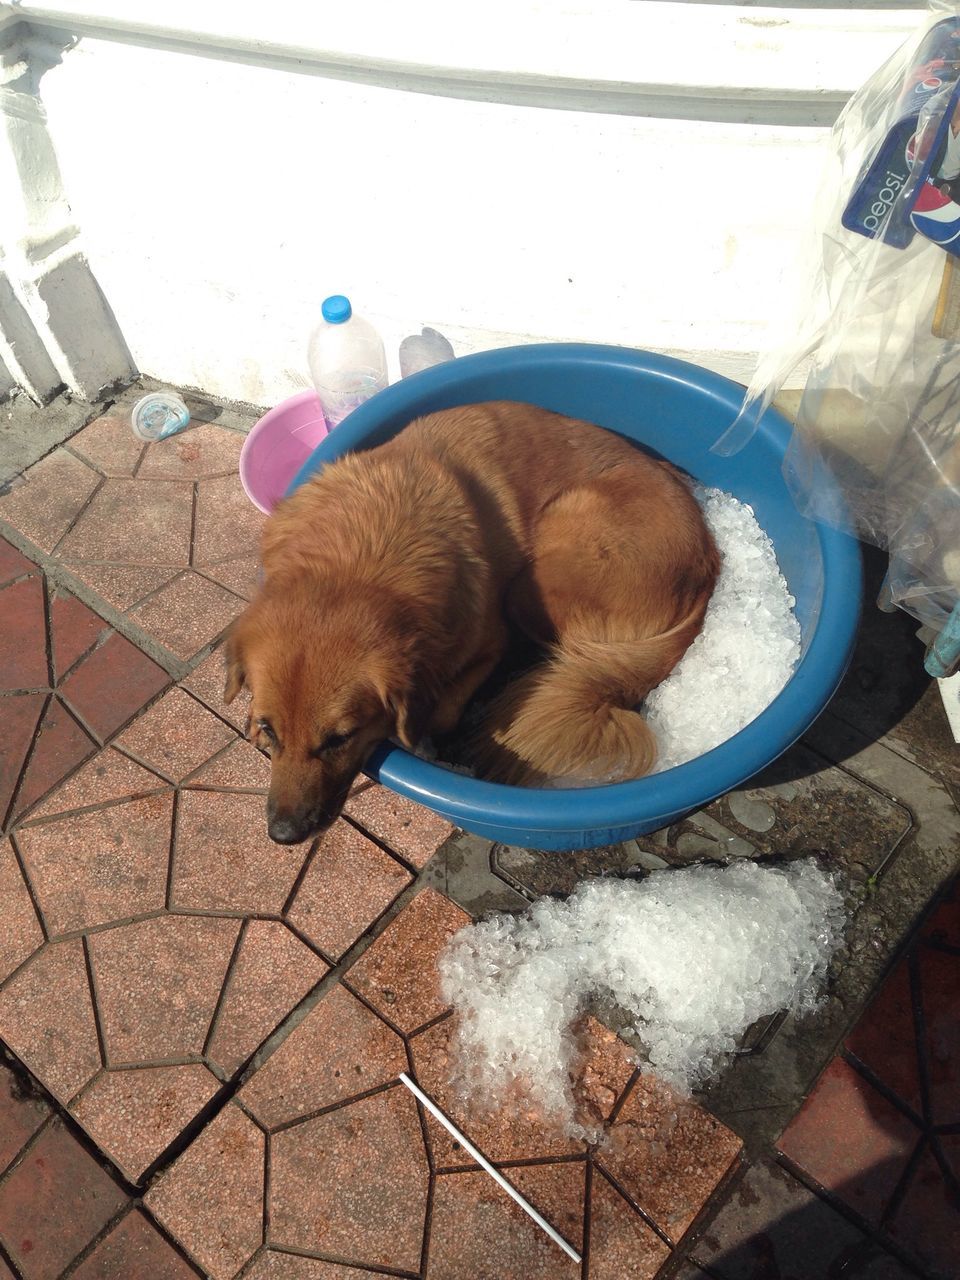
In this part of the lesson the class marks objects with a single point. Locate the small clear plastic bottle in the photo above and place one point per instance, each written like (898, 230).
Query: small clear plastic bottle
(158, 415)
(347, 360)
(423, 350)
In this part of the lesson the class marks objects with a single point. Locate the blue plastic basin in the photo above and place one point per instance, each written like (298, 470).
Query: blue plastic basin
(679, 410)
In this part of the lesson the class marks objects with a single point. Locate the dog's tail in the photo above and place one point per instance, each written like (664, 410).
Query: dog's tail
(573, 716)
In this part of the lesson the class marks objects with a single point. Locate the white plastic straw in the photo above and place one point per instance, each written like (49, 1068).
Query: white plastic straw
(485, 1164)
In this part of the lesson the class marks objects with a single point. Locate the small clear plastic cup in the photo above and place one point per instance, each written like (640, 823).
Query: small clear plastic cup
(158, 415)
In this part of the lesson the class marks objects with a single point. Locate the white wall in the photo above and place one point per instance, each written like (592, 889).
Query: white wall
(220, 202)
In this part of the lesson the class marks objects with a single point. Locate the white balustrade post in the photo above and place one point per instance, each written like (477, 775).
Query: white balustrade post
(56, 327)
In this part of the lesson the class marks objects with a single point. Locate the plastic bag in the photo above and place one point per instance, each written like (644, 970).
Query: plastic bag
(879, 309)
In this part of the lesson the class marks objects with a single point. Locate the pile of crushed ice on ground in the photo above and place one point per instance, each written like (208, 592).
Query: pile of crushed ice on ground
(693, 957)
(745, 653)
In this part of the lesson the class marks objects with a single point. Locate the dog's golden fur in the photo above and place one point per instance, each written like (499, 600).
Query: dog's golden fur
(390, 580)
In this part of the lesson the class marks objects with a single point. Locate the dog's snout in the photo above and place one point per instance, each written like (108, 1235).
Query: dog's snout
(285, 828)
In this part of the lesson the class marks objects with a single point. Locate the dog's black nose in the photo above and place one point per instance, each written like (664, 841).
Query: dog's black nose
(286, 830)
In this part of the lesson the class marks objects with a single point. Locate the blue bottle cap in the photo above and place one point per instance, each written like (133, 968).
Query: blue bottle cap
(337, 309)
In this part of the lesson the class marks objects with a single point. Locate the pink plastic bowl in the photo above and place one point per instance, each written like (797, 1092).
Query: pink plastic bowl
(278, 446)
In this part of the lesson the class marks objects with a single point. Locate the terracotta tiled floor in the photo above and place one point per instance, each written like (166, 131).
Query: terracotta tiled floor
(206, 1031)
(158, 936)
(324, 1151)
(161, 532)
(67, 681)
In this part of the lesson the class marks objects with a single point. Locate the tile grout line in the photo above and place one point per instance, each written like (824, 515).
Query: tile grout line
(35, 901)
(6, 1258)
(285, 1125)
(252, 1262)
(891, 745)
(634, 1204)
(218, 913)
(429, 1024)
(863, 1225)
(74, 452)
(151, 1064)
(165, 1234)
(225, 985)
(188, 779)
(92, 648)
(176, 571)
(625, 1092)
(97, 1020)
(903, 1183)
(61, 1113)
(381, 844)
(26, 823)
(201, 572)
(171, 858)
(267, 1172)
(588, 1175)
(920, 1034)
(78, 516)
(428, 1206)
(222, 789)
(92, 1245)
(195, 500)
(946, 1171)
(358, 995)
(884, 1090)
(18, 1159)
(85, 725)
(373, 1268)
(165, 778)
(520, 1162)
(185, 1137)
(141, 459)
(8, 820)
(318, 951)
(62, 573)
(427, 1146)
(45, 595)
(92, 930)
(22, 819)
(301, 875)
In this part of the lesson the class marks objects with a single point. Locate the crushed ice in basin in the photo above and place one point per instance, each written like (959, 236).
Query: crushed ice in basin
(746, 652)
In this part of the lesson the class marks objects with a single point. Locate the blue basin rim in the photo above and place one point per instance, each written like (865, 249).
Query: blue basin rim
(639, 804)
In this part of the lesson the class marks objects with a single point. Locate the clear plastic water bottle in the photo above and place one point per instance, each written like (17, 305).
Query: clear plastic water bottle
(158, 415)
(347, 360)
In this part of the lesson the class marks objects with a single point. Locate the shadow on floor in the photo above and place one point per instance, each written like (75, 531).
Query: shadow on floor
(879, 1136)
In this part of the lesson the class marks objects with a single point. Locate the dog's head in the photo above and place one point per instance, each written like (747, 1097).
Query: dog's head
(331, 674)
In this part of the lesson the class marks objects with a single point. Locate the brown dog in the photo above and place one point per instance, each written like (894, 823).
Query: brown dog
(390, 579)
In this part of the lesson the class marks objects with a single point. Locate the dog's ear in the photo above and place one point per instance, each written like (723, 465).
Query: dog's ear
(412, 708)
(236, 676)
(408, 696)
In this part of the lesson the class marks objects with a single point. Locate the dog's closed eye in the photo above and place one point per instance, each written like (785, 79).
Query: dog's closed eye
(333, 742)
